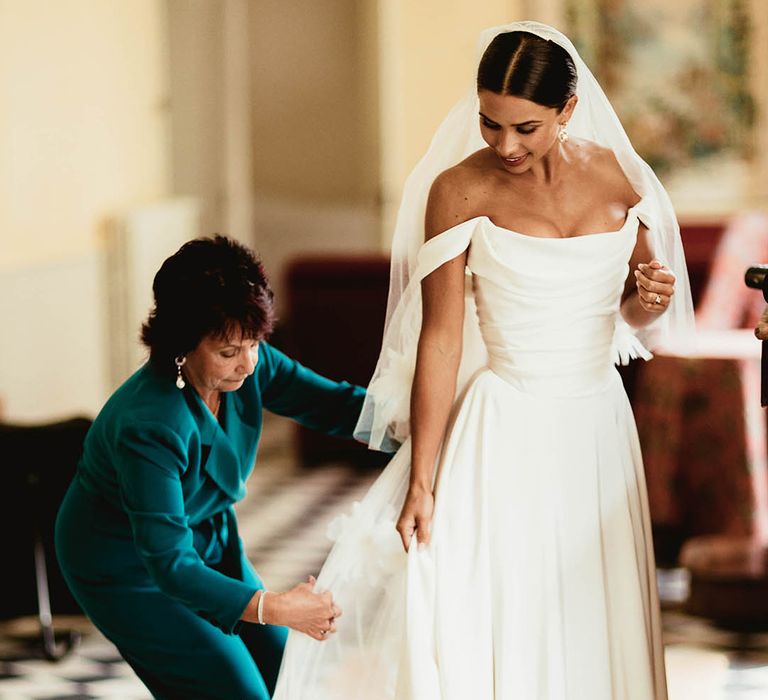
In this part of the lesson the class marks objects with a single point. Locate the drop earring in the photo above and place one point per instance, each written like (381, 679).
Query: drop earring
(180, 360)
(562, 134)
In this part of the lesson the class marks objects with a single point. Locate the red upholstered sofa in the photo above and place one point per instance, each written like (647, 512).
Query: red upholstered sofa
(700, 242)
(336, 308)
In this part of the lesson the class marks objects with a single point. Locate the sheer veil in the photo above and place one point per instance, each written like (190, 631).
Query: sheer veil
(384, 422)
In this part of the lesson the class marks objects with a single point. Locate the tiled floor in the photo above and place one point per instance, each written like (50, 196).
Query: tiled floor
(704, 663)
(283, 522)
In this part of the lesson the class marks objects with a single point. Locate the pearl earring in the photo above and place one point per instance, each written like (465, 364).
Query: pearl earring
(562, 134)
(180, 360)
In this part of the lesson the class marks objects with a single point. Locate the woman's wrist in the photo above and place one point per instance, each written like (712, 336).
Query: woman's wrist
(260, 607)
(420, 486)
(263, 608)
(633, 312)
(272, 608)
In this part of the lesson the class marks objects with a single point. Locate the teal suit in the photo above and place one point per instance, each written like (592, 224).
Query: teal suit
(147, 537)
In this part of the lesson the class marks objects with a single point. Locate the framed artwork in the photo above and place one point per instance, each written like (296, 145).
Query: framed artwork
(680, 75)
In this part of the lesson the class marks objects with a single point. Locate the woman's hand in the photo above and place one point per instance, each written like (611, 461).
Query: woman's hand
(655, 286)
(301, 609)
(416, 516)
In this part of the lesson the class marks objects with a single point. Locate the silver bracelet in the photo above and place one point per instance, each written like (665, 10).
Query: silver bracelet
(260, 607)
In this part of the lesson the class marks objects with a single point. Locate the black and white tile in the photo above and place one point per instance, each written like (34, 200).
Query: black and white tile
(94, 670)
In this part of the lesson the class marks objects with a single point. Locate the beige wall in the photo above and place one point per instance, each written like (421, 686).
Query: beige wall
(108, 106)
(315, 119)
(759, 80)
(209, 59)
(82, 123)
(83, 135)
(196, 89)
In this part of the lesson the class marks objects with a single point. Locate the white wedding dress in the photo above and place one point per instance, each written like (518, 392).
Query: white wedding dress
(539, 580)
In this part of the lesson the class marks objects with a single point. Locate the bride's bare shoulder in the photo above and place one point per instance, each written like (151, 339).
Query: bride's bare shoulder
(469, 174)
(599, 165)
(457, 194)
(590, 154)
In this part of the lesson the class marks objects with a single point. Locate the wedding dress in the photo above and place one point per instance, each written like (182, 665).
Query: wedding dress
(538, 582)
(539, 578)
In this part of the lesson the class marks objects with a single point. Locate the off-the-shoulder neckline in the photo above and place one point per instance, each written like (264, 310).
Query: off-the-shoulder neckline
(631, 213)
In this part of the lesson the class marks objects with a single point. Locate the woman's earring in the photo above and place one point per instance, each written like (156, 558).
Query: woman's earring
(562, 134)
(180, 360)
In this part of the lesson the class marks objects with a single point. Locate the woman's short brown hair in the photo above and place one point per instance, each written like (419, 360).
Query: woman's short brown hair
(209, 287)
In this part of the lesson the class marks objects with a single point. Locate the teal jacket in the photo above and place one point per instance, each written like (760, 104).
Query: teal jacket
(167, 474)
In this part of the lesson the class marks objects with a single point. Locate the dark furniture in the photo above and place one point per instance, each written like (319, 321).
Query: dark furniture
(336, 312)
(39, 462)
(729, 581)
(700, 241)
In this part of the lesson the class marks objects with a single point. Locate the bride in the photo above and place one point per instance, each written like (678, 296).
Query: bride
(505, 552)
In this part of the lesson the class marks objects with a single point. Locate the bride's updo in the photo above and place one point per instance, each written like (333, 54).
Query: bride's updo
(525, 65)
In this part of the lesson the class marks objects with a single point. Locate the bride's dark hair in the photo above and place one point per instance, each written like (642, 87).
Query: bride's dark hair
(525, 65)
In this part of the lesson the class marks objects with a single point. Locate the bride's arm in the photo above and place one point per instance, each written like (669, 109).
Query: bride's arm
(437, 359)
(649, 286)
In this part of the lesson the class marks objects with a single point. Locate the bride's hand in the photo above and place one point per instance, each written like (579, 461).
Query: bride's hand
(655, 286)
(416, 516)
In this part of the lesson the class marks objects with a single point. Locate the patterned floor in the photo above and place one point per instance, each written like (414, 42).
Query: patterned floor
(283, 522)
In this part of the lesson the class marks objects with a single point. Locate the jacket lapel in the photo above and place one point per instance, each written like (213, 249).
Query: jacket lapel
(243, 428)
(223, 463)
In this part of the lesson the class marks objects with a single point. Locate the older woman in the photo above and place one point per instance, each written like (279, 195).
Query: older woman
(146, 536)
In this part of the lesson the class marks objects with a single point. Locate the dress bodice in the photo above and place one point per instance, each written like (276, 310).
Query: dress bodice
(542, 313)
(547, 307)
